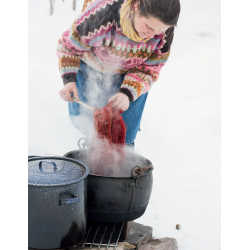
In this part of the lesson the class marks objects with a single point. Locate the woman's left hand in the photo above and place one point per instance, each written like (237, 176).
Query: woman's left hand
(120, 101)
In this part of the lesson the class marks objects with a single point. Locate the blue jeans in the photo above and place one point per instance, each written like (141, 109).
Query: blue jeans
(95, 89)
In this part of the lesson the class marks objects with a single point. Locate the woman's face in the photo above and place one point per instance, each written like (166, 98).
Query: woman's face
(148, 27)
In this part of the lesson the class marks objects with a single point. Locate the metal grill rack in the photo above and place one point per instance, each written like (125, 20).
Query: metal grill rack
(102, 235)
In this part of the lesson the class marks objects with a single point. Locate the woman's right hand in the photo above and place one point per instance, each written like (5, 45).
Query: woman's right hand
(67, 90)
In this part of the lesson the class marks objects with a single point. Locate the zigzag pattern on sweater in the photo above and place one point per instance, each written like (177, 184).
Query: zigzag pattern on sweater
(99, 13)
(95, 5)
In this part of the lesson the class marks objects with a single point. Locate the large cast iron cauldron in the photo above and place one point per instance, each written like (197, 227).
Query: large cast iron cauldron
(117, 199)
(56, 202)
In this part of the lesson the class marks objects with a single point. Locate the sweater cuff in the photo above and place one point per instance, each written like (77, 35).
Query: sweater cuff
(127, 93)
(70, 77)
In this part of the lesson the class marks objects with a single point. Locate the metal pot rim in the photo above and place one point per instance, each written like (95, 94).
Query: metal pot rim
(59, 158)
(101, 176)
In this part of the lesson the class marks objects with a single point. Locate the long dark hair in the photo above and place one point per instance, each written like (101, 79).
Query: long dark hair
(167, 11)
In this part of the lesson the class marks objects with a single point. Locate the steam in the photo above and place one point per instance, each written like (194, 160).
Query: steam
(120, 166)
(98, 89)
(104, 158)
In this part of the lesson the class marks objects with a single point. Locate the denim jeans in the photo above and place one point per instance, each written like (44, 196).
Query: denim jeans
(95, 89)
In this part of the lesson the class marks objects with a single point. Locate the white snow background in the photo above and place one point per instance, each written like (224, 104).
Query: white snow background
(180, 128)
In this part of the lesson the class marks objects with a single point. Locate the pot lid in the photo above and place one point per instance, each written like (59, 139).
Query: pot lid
(55, 171)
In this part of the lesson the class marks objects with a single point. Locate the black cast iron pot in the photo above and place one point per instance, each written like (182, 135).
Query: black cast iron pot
(117, 199)
(56, 202)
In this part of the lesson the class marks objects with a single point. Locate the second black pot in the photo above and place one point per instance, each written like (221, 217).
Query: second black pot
(117, 199)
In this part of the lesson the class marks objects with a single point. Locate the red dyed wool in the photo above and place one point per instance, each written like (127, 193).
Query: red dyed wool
(108, 141)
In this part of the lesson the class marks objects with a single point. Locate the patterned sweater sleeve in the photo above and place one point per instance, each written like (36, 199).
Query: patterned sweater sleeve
(86, 32)
(140, 79)
(69, 51)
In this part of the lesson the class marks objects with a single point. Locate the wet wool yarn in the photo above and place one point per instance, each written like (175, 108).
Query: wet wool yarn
(108, 141)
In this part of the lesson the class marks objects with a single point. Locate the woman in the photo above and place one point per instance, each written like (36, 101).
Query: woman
(114, 52)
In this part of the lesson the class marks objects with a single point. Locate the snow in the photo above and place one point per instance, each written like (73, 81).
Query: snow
(180, 129)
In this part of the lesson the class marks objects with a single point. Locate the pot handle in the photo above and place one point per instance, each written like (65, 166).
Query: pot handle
(133, 174)
(68, 201)
(83, 144)
(51, 162)
(139, 171)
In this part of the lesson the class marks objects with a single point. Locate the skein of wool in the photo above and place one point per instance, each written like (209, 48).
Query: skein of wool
(108, 141)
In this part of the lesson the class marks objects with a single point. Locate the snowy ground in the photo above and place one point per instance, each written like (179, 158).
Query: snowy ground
(180, 126)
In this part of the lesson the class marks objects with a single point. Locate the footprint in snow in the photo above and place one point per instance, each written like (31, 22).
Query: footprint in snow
(204, 34)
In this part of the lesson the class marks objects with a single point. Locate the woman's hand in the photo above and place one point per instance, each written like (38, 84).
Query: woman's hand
(67, 90)
(120, 101)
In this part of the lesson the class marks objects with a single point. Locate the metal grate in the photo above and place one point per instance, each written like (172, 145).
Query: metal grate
(103, 235)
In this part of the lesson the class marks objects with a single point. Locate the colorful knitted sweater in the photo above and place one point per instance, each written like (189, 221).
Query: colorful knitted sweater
(96, 38)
